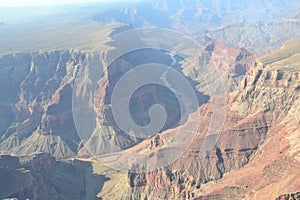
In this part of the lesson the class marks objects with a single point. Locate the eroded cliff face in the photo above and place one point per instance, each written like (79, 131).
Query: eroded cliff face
(230, 60)
(226, 68)
(40, 176)
(272, 87)
(37, 90)
(256, 149)
(108, 136)
(36, 106)
(37, 97)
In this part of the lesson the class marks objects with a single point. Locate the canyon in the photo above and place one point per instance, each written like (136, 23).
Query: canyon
(58, 135)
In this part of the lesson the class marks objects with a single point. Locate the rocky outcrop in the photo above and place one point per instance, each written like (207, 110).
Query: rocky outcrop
(274, 31)
(39, 102)
(231, 65)
(228, 60)
(156, 142)
(293, 196)
(270, 88)
(38, 99)
(108, 136)
(40, 176)
(36, 105)
(256, 155)
(255, 112)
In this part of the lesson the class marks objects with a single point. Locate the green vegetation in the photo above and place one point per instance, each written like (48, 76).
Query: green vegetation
(99, 168)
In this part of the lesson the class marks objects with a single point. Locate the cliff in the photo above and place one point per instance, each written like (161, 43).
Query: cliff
(40, 176)
(256, 149)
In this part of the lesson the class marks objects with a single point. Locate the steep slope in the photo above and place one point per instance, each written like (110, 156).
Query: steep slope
(37, 88)
(257, 151)
(230, 63)
(40, 176)
(40, 87)
(259, 36)
(256, 155)
(38, 102)
(233, 67)
(274, 169)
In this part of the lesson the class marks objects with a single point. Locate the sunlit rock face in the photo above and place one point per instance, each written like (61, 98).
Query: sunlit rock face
(37, 90)
(260, 112)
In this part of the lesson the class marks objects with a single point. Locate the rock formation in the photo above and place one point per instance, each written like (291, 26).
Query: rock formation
(252, 113)
(256, 149)
(40, 176)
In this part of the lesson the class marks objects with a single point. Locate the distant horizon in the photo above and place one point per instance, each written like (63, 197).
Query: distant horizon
(39, 3)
